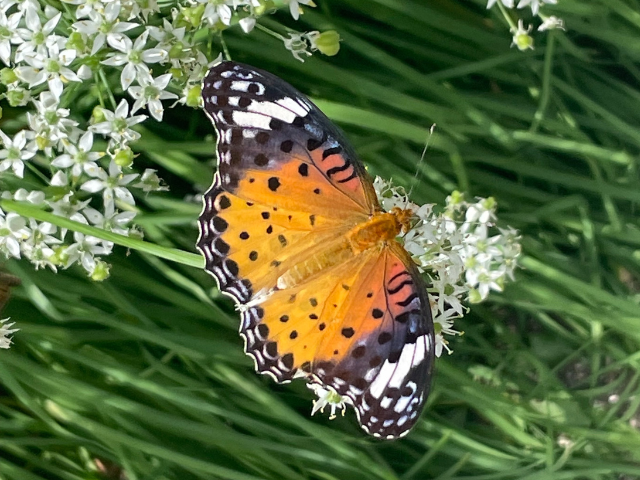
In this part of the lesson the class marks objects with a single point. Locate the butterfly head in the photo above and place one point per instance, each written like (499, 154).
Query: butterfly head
(403, 218)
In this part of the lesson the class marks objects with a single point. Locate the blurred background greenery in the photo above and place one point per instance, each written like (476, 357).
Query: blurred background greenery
(143, 376)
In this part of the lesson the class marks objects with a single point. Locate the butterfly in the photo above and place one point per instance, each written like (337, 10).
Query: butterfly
(292, 230)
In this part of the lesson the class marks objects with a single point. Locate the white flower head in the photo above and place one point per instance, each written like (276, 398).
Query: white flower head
(521, 37)
(134, 56)
(551, 23)
(79, 157)
(167, 35)
(13, 231)
(150, 182)
(117, 125)
(104, 26)
(150, 93)
(328, 396)
(86, 7)
(51, 67)
(15, 152)
(112, 220)
(112, 185)
(36, 36)
(300, 44)
(8, 35)
(37, 248)
(214, 11)
(85, 248)
(455, 249)
(50, 122)
(5, 331)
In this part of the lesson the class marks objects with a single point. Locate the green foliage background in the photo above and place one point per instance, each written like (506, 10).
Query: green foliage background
(146, 372)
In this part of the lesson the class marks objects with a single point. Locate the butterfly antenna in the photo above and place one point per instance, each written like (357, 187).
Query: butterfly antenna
(416, 177)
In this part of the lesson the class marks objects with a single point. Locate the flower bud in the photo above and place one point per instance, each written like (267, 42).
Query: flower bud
(194, 95)
(7, 76)
(328, 42)
(124, 157)
(100, 272)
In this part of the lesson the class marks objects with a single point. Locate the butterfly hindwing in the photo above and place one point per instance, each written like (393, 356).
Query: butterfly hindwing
(363, 328)
(386, 344)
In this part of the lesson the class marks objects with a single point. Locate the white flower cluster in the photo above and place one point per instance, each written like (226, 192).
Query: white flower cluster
(521, 38)
(5, 331)
(55, 62)
(461, 250)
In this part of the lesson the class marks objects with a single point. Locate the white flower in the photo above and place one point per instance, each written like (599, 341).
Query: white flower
(8, 35)
(506, 3)
(36, 36)
(85, 248)
(86, 7)
(298, 44)
(5, 331)
(481, 280)
(150, 182)
(59, 179)
(294, 7)
(443, 322)
(117, 125)
(51, 68)
(447, 290)
(328, 396)
(23, 5)
(104, 26)
(112, 185)
(50, 121)
(112, 220)
(551, 23)
(13, 230)
(134, 55)
(140, 9)
(68, 205)
(247, 24)
(37, 248)
(16, 151)
(167, 35)
(521, 37)
(215, 11)
(151, 92)
(535, 4)
(79, 157)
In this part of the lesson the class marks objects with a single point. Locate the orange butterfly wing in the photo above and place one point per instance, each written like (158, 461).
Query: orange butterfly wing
(273, 233)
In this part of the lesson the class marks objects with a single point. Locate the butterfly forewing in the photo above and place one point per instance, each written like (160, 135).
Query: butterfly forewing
(287, 192)
(275, 146)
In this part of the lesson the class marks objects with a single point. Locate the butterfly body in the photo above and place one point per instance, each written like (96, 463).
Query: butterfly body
(293, 231)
